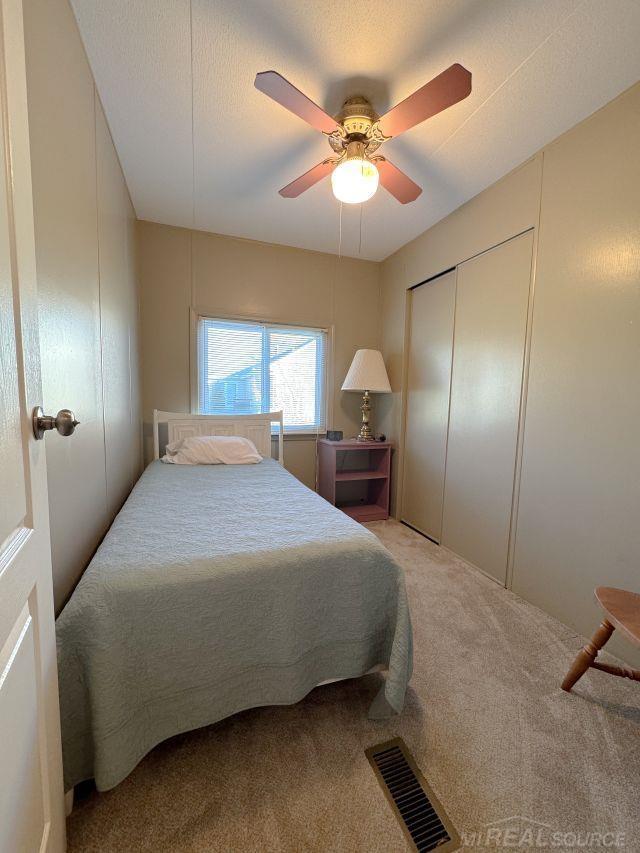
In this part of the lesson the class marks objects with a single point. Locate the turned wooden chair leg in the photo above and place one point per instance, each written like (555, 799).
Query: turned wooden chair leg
(587, 655)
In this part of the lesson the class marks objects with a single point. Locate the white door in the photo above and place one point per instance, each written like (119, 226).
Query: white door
(31, 790)
(486, 383)
(428, 381)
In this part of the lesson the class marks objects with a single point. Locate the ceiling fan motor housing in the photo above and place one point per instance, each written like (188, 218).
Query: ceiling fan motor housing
(357, 116)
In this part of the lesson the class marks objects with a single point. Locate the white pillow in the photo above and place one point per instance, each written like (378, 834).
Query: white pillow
(212, 450)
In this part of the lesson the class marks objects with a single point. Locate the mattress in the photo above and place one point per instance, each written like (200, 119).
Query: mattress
(217, 589)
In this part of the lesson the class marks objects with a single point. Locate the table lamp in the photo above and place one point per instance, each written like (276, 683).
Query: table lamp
(368, 375)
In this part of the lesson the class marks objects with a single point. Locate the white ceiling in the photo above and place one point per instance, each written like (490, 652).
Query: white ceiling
(539, 66)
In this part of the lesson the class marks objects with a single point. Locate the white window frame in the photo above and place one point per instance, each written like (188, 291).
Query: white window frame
(197, 313)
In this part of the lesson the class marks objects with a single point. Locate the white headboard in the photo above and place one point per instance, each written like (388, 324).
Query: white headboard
(257, 428)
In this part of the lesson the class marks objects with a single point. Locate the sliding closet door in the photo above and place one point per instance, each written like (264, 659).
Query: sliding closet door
(490, 329)
(431, 340)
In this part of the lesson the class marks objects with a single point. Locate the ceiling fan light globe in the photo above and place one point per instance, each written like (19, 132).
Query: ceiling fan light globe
(354, 181)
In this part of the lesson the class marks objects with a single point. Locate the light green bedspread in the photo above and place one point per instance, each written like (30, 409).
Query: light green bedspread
(220, 588)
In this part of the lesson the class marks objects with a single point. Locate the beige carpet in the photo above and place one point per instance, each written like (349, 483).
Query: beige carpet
(487, 722)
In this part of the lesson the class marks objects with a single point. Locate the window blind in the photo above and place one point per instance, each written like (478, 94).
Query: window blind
(248, 368)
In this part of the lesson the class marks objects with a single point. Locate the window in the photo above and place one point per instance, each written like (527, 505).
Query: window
(249, 368)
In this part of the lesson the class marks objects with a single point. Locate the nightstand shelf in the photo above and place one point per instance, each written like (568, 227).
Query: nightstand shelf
(354, 477)
(359, 475)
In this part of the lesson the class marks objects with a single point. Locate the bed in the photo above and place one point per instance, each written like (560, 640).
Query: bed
(220, 588)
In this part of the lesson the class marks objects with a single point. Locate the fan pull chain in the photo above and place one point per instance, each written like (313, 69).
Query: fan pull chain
(340, 233)
(193, 141)
(360, 239)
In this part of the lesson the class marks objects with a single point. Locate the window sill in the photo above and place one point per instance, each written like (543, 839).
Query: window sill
(300, 436)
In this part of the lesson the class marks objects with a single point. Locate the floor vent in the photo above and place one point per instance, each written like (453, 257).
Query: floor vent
(419, 813)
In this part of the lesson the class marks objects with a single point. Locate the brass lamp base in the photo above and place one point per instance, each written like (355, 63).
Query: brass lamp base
(365, 433)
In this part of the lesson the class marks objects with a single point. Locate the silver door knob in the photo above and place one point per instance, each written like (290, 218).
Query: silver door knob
(65, 422)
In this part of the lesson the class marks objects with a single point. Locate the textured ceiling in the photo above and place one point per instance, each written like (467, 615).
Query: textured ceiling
(539, 66)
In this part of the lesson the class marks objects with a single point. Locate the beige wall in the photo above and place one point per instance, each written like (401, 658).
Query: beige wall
(85, 247)
(242, 278)
(577, 524)
(579, 508)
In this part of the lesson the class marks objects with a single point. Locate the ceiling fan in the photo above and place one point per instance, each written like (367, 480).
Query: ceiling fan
(356, 134)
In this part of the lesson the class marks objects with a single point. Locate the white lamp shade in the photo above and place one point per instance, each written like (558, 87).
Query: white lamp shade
(367, 373)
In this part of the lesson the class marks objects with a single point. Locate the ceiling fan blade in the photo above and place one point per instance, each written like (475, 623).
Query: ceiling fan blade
(443, 91)
(304, 182)
(396, 182)
(280, 90)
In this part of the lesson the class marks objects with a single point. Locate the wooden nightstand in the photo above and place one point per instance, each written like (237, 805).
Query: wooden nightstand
(354, 476)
